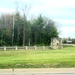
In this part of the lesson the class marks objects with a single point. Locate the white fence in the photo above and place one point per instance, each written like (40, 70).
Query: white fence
(68, 45)
(31, 47)
(23, 47)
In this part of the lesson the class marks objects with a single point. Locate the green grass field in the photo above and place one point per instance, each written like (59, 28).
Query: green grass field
(38, 58)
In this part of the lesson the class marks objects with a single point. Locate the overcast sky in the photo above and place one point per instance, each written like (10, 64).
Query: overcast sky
(61, 11)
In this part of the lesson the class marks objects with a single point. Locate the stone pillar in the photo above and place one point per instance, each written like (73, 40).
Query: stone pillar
(15, 47)
(43, 47)
(4, 48)
(26, 47)
(56, 43)
(35, 47)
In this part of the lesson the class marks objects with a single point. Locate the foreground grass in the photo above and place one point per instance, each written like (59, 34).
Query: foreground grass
(38, 58)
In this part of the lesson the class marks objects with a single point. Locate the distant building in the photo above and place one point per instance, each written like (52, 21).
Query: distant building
(69, 42)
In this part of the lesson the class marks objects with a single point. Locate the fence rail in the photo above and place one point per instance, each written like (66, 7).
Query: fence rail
(68, 45)
(31, 47)
(23, 47)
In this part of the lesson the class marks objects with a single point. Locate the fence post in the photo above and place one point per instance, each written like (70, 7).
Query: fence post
(35, 47)
(43, 47)
(4, 48)
(15, 47)
(26, 47)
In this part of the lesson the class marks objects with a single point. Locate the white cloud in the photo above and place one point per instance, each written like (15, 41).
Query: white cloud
(6, 10)
(63, 13)
(49, 6)
(62, 21)
(39, 9)
(68, 31)
(52, 3)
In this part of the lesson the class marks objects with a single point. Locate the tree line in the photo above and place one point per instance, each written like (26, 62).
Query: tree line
(16, 29)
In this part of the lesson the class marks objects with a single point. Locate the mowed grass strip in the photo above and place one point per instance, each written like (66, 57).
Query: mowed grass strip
(62, 58)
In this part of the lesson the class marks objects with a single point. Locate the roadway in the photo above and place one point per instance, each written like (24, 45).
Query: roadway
(38, 71)
(37, 74)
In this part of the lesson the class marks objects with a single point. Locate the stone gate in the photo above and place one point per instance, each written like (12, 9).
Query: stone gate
(56, 43)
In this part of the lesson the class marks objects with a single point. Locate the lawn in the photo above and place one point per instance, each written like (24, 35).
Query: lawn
(38, 58)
